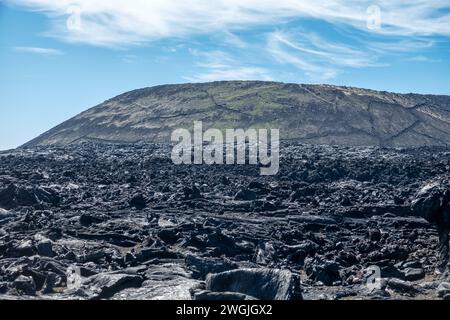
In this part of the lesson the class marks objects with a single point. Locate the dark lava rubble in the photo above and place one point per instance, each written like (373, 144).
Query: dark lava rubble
(98, 221)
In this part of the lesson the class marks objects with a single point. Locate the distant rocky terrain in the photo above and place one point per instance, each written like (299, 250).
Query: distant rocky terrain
(121, 221)
(316, 114)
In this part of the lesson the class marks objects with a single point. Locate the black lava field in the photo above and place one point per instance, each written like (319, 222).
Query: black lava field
(112, 221)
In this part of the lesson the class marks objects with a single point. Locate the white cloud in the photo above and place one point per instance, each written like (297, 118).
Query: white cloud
(38, 50)
(319, 59)
(118, 22)
(233, 40)
(218, 65)
(231, 73)
(400, 45)
(421, 58)
(406, 29)
(129, 58)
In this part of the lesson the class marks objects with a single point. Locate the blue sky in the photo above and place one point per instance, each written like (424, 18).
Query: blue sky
(60, 57)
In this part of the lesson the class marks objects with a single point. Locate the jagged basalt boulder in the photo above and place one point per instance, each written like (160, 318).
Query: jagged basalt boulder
(206, 295)
(13, 196)
(25, 285)
(191, 193)
(323, 271)
(201, 267)
(105, 285)
(138, 201)
(432, 202)
(264, 284)
(245, 195)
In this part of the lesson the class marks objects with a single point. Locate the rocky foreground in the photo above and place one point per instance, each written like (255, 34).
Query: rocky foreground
(122, 222)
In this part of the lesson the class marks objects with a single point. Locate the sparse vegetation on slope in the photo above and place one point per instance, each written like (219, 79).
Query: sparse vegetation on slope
(321, 114)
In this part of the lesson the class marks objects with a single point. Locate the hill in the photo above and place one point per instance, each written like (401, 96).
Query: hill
(317, 114)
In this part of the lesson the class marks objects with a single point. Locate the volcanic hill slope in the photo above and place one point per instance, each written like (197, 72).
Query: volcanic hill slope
(322, 114)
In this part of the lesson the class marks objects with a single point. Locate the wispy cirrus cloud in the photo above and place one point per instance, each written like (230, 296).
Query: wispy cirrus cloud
(421, 58)
(118, 22)
(400, 45)
(259, 32)
(318, 58)
(312, 70)
(39, 50)
(233, 40)
(218, 65)
(231, 73)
